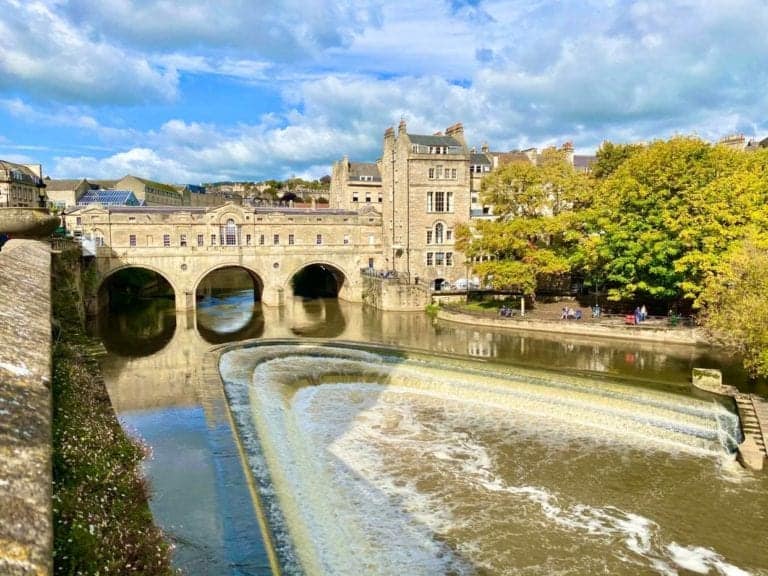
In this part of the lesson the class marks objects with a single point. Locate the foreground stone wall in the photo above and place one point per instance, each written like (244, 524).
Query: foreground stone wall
(25, 408)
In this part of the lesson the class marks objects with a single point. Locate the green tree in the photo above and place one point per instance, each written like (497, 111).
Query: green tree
(528, 245)
(664, 218)
(610, 156)
(736, 302)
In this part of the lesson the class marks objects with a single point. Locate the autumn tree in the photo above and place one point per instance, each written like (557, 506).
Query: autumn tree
(736, 301)
(529, 242)
(665, 217)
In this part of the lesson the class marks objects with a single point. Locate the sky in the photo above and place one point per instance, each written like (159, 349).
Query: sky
(208, 90)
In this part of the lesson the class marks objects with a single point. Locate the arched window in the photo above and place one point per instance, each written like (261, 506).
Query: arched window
(438, 233)
(230, 233)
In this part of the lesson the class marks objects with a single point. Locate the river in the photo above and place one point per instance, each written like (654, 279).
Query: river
(477, 452)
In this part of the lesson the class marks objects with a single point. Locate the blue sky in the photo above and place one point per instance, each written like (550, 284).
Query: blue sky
(205, 90)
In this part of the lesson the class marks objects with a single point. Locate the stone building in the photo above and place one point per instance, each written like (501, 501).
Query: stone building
(355, 184)
(425, 184)
(21, 185)
(151, 193)
(66, 193)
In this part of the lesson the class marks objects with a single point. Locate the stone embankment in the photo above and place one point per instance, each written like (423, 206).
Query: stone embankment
(753, 415)
(25, 408)
(610, 328)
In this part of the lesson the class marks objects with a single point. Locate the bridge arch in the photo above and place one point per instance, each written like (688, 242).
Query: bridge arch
(331, 280)
(258, 282)
(102, 294)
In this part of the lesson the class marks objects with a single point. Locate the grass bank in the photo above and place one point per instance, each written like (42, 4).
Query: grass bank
(102, 521)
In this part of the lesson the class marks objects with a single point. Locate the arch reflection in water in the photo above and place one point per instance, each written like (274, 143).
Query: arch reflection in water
(138, 329)
(230, 317)
(317, 318)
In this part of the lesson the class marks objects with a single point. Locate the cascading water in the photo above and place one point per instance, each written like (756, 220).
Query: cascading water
(372, 463)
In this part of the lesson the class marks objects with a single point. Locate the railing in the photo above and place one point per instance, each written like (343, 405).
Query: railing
(386, 275)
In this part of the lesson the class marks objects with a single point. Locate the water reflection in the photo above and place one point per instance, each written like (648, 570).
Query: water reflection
(153, 375)
(140, 329)
(230, 317)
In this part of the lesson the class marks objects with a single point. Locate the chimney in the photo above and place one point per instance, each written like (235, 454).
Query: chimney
(568, 149)
(401, 128)
(456, 131)
(484, 148)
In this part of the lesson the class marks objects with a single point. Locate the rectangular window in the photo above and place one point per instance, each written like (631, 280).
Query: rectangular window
(429, 259)
(213, 239)
(290, 239)
(132, 240)
(131, 218)
(261, 240)
(439, 172)
(200, 240)
(346, 238)
(368, 199)
(276, 239)
(166, 240)
(429, 236)
(440, 202)
(439, 258)
(449, 258)
(79, 221)
(430, 197)
(354, 199)
(370, 262)
(453, 173)
(319, 239)
(183, 240)
(247, 239)
(449, 201)
(431, 173)
(379, 199)
(371, 239)
(448, 235)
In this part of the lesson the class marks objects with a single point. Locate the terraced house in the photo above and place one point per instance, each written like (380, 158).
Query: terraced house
(21, 185)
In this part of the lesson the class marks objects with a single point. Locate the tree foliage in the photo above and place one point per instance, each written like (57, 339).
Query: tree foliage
(667, 214)
(736, 302)
(529, 243)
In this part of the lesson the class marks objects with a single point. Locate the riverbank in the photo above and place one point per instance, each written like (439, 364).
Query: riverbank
(603, 328)
(100, 503)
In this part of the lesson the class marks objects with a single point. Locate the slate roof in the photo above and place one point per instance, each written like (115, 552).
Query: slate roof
(583, 162)
(433, 140)
(109, 198)
(27, 174)
(479, 159)
(357, 169)
(104, 183)
(62, 185)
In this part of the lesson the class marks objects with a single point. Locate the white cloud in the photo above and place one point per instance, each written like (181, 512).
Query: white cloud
(45, 54)
(516, 74)
(281, 29)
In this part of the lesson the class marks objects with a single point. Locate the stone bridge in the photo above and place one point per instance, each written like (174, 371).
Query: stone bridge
(184, 245)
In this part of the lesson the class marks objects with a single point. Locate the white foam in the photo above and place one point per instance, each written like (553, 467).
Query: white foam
(349, 458)
(702, 560)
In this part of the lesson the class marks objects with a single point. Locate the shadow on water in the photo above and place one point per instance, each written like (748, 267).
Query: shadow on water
(317, 318)
(138, 328)
(230, 317)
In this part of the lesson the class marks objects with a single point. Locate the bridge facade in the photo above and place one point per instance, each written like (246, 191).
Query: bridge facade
(184, 245)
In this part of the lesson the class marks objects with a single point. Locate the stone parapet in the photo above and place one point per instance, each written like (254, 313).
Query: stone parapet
(25, 408)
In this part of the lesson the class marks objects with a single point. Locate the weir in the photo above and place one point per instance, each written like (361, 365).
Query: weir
(332, 425)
